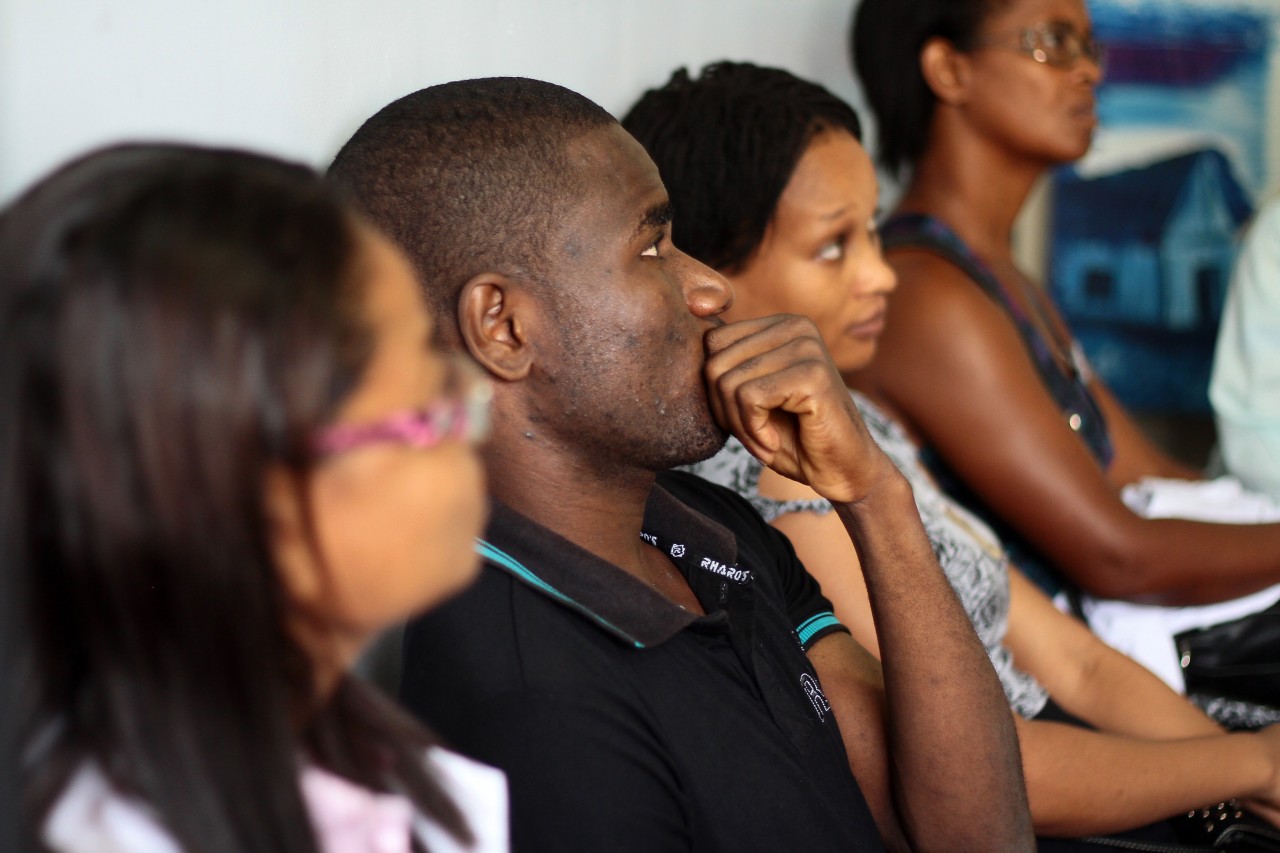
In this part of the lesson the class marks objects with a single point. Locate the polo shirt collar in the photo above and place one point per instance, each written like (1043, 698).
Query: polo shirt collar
(617, 602)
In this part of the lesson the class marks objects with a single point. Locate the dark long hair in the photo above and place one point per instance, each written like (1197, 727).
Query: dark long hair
(175, 322)
(885, 42)
(726, 144)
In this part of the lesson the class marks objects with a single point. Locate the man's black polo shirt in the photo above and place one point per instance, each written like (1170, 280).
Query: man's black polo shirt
(625, 722)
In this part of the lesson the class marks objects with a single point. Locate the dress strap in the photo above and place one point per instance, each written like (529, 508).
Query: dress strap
(922, 231)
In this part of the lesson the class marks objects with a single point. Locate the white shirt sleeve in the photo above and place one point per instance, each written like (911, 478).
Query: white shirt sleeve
(480, 792)
(1245, 385)
(90, 817)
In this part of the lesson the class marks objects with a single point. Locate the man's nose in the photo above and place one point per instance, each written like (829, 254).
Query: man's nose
(706, 292)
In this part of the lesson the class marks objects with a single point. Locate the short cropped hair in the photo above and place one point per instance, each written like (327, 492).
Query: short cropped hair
(725, 145)
(885, 42)
(468, 177)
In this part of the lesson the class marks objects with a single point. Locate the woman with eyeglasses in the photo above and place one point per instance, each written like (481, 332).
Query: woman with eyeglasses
(232, 456)
(975, 100)
(780, 198)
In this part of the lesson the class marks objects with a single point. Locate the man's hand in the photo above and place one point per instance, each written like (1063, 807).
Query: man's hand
(772, 385)
(946, 774)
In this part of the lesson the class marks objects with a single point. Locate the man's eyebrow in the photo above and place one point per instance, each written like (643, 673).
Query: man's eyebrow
(659, 214)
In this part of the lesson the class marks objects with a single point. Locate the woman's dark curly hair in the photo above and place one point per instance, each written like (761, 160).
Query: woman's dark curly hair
(726, 144)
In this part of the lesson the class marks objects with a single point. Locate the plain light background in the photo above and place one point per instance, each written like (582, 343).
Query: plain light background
(296, 77)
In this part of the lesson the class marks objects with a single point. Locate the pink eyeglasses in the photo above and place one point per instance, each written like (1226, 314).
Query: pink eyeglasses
(461, 414)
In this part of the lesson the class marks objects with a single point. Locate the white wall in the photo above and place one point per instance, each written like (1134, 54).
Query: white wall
(296, 77)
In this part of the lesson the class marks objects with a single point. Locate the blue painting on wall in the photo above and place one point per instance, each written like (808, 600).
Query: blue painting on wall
(1144, 229)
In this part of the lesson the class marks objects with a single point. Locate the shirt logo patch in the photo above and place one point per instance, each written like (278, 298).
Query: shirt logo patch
(677, 550)
(817, 698)
(731, 572)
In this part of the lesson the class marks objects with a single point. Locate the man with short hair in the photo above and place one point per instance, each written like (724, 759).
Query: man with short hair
(643, 655)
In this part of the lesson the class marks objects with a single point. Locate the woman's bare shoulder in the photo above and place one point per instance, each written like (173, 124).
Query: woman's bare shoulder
(929, 279)
(940, 324)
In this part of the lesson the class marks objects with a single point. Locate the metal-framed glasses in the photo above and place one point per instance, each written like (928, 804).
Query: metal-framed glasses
(461, 413)
(1055, 43)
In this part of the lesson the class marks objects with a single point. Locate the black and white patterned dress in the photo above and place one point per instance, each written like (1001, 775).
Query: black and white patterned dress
(967, 549)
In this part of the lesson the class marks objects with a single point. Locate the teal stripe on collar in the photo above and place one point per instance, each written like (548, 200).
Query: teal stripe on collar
(504, 560)
(814, 624)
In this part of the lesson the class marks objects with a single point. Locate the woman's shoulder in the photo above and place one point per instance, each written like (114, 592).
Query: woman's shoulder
(932, 283)
(939, 322)
(929, 256)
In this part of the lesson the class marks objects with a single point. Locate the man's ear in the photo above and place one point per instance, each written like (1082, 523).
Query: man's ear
(945, 70)
(495, 314)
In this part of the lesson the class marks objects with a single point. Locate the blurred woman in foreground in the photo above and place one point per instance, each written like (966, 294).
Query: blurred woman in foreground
(232, 456)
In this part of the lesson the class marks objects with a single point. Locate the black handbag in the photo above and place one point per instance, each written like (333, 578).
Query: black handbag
(1235, 660)
(1223, 827)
